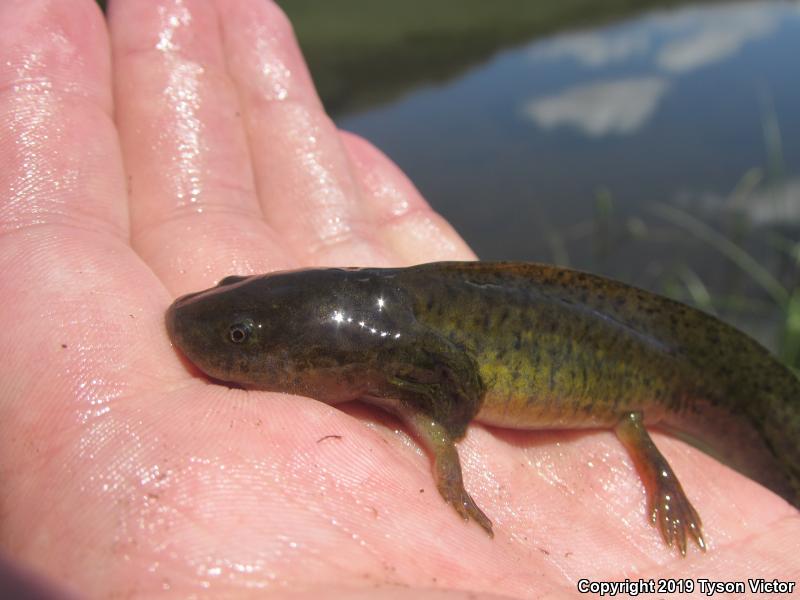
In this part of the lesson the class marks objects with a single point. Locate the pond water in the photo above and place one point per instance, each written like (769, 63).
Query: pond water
(663, 149)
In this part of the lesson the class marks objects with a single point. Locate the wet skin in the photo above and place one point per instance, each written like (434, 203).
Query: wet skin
(515, 345)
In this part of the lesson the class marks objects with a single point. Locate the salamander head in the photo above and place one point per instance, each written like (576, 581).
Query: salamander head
(220, 329)
(278, 332)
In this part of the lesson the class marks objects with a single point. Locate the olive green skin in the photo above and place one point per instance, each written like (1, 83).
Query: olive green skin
(516, 345)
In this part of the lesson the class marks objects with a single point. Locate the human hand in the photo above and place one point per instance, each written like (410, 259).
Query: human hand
(192, 146)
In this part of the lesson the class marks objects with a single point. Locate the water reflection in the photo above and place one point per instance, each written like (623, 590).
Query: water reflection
(664, 46)
(714, 34)
(775, 206)
(557, 149)
(600, 108)
(676, 41)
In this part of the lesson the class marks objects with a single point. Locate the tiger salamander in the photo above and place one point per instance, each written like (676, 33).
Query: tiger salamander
(516, 345)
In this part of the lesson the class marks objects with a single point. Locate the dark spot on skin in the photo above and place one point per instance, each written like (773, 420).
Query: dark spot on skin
(63, 345)
(329, 437)
(421, 491)
(543, 551)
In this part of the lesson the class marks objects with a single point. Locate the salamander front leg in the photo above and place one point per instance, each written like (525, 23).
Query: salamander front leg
(447, 468)
(669, 508)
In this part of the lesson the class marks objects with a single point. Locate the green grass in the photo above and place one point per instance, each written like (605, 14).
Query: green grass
(728, 249)
(765, 300)
(786, 300)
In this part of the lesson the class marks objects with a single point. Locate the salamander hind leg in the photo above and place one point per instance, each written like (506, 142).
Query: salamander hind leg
(669, 508)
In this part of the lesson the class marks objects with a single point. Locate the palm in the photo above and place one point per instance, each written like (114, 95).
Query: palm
(124, 471)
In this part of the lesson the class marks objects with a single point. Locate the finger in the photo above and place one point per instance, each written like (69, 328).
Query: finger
(64, 251)
(401, 216)
(195, 216)
(59, 162)
(303, 176)
(74, 331)
(60, 200)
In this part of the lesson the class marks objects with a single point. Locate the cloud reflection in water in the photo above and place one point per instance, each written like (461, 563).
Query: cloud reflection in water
(602, 108)
(663, 47)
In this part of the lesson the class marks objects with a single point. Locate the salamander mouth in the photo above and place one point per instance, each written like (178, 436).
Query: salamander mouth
(171, 320)
(176, 319)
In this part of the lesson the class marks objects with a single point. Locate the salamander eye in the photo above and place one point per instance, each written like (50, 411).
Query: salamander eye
(239, 332)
